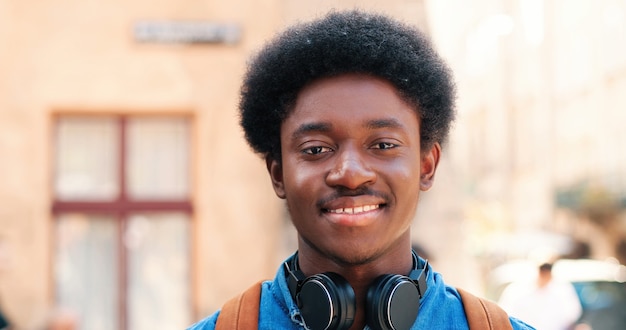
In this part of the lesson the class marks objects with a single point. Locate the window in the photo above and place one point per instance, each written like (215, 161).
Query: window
(122, 211)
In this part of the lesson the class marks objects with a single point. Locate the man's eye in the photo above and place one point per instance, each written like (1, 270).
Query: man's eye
(384, 145)
(316, 150)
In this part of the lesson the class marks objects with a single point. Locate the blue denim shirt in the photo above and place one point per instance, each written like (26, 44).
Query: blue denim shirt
(440, 308)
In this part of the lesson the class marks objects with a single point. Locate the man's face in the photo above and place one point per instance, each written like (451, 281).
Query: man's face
(352, 167)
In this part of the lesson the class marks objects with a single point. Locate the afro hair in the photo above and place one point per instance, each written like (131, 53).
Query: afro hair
(342, 43)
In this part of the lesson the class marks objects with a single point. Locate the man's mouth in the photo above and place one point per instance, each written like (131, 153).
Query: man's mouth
(354, 210)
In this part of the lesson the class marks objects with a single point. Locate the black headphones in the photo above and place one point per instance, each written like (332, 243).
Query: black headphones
(327, 301)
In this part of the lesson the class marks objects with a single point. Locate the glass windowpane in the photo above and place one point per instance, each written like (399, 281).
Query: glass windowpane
(87, 269)
(86, 158)
(158, 158)
(158, 271)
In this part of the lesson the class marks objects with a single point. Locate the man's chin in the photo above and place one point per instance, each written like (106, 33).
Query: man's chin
(346, 254)
(350, 257)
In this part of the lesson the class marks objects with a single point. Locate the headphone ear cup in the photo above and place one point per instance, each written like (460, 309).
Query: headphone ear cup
(392, 303)
(326, 301)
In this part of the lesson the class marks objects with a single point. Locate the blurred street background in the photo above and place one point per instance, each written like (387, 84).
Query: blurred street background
(129, 199)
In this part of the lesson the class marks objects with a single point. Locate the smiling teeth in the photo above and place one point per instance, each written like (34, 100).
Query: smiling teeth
(354, 210)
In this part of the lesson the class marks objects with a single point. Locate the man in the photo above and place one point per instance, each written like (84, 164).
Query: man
(544, 302)
(350, 112)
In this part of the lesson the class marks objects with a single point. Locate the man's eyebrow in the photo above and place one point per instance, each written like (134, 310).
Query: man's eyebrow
(383, 123)
(311, 127)
(322, 127)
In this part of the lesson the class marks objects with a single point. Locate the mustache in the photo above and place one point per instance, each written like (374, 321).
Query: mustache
(345, 192)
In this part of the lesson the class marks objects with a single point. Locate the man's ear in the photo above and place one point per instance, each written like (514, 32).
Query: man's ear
(275, 170)
(429, 162)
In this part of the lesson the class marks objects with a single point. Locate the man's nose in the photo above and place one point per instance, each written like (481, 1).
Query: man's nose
(350, 170)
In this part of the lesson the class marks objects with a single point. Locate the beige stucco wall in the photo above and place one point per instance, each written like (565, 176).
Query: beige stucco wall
(81, 57)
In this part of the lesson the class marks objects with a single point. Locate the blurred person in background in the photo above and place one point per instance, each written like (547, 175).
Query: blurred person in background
(544, 302)
(350, 112)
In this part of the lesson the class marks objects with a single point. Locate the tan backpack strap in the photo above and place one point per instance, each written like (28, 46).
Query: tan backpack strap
(483, 314)
(242, 311)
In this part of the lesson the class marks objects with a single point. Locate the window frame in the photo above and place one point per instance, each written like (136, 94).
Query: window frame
(121, 207)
